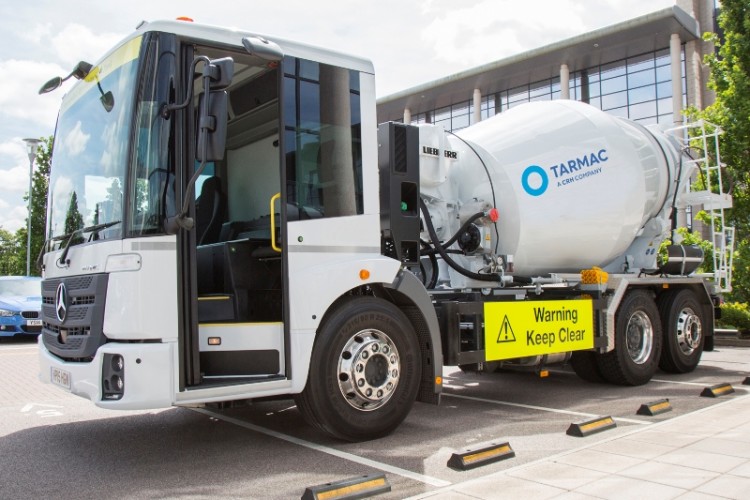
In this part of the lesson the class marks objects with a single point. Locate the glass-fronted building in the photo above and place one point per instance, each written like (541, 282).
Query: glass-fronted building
(646, 69)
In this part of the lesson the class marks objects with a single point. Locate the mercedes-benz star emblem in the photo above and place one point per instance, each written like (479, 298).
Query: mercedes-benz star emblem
(61, 302)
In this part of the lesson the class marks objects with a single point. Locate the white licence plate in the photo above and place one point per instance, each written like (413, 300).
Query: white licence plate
(33, 322)
(60, 377)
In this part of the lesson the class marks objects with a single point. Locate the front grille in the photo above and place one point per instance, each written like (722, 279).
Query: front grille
(81, 333)
(30, 314)
(69, 331)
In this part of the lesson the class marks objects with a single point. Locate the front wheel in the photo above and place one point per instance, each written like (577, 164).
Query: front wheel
(683, 320)
(364, 371)
(638, 341)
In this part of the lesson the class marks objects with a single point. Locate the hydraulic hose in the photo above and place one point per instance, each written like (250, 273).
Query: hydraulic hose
(444, 254)
(453, 238)
(435, 270)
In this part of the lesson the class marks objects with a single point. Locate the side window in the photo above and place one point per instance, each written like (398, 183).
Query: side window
(151, 186)
(322, 138)
(208, 171)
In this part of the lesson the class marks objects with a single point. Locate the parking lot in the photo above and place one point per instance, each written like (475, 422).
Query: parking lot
(54, 444)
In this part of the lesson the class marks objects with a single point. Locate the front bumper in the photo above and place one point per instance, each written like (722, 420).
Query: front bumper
(148, 375)
(17, 325)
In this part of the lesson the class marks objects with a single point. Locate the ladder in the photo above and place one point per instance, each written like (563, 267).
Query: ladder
(700, 141)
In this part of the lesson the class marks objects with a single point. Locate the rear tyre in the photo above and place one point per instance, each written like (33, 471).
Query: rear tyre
(364, 371)
(585, 365)
(638, 341)
(683, 321)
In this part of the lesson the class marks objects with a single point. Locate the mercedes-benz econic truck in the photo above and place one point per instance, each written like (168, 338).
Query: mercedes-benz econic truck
(227, 221)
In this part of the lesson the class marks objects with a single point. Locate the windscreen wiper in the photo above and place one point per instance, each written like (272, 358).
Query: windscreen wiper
(62, 261)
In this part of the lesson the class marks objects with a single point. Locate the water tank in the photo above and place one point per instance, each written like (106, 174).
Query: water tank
(573, 184)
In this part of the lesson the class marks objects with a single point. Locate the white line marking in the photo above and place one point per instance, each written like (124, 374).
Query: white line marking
(432, 481)
(23, 348)
(542, 408)
(696, 384)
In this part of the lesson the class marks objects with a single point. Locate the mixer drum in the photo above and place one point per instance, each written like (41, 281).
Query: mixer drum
(573, 184)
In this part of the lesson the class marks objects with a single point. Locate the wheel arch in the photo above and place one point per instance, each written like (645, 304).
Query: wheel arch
(409, 294)
(704, 298)
(660, 287)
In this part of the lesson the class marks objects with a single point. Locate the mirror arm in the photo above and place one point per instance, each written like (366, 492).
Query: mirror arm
(181, 220)
(166, 110)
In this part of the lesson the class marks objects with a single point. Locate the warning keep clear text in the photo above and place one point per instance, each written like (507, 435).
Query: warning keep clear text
(530, 328)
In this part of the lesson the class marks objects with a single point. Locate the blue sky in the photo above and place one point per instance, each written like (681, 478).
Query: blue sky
(409, 42)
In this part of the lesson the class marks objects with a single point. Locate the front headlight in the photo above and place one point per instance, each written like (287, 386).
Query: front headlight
(6, 313)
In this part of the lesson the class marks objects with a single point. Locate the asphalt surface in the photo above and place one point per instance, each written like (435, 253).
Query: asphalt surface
(55, 445)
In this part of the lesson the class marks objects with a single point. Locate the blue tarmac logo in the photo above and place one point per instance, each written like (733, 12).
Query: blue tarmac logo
(534, 180)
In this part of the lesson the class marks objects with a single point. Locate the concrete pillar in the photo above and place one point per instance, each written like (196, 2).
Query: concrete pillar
(336, 171)
(564, 81)
(675, 52)
(407, 116)
(477, 106)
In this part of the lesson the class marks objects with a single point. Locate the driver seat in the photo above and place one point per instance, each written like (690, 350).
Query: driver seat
(209, 212)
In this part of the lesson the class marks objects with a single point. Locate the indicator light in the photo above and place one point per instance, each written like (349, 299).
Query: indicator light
(364, 274)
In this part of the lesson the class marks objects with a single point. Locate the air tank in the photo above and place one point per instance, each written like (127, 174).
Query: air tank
(574, 186)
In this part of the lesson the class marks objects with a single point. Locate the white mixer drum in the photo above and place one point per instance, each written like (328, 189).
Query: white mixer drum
(573, 184)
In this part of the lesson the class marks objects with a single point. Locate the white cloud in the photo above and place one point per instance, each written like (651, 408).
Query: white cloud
(38, 34)
(14, 169)
(15, 219)
(19, 98)
(14, 179)
(483, 31)
(75, 142)
(78, 43)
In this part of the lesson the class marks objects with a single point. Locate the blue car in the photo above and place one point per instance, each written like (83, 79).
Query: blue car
(20, 306)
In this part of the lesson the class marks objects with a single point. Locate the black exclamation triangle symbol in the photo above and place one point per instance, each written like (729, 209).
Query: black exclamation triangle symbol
(506, 332)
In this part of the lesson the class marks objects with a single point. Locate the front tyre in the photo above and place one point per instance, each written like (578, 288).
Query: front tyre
(364, 371)
(683, 321)
(638, 341)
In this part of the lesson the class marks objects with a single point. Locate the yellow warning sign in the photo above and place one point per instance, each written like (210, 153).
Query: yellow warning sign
(530, 328)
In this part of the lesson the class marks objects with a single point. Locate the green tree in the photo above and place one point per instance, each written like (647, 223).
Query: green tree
(39, 190)
(730, 70)
(73, 217)
(11, 263)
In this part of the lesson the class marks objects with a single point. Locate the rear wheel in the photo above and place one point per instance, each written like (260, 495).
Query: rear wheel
(638, 341)
(585, 365)
(682, 318)
(364, 371)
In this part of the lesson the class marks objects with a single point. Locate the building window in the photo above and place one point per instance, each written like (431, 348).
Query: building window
(638, 88)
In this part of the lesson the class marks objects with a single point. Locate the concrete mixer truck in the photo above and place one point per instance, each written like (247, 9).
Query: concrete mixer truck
(227, 222)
